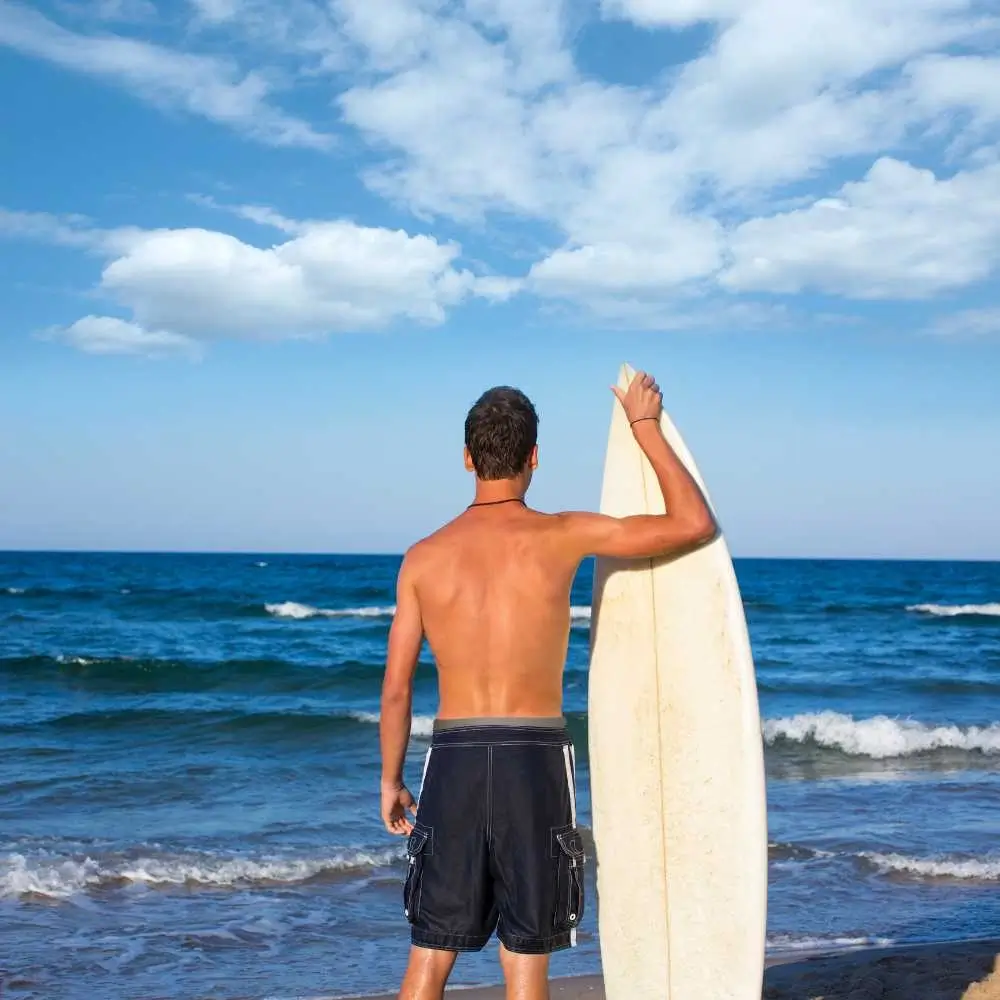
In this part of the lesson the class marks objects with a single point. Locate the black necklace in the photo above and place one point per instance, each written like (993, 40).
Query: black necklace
(493, 503)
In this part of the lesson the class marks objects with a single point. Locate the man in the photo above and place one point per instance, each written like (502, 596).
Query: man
(494, 845)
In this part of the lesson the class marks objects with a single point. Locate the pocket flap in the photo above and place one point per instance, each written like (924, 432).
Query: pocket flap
(418, 840)
(571, 843)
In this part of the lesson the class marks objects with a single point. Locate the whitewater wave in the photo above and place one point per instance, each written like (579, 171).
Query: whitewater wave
(794, 942)
(422, 725)
(14, 590)
(293, 609)
(60, 878)
(880, 737)
(957, 610)
(971, 869)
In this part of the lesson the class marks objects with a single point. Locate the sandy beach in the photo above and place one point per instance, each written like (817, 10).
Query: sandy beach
(968, 970)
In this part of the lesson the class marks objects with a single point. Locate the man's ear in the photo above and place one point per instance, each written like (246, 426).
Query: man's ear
(533, 458)
(469, 467)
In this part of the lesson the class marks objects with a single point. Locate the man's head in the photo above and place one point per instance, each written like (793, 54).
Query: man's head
(501, 434)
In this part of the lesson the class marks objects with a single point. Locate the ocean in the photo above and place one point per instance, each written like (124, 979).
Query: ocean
(189, 768)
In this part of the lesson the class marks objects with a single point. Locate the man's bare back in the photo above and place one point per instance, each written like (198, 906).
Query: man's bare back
(495, 847)
(493, 588)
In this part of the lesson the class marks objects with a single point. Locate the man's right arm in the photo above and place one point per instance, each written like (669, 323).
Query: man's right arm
(688, 521)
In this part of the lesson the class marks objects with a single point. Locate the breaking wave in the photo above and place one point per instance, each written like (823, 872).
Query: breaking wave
(957, 610)
(971, 869)
(293, 609)
(879, 737)
(61, 877)
(792, 942)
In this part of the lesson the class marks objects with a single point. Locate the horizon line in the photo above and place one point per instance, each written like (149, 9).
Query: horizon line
(399, 555)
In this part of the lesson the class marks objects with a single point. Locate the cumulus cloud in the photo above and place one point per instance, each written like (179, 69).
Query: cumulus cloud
(771, 160)
(108, 335)
(944, 84)
(182, 286)
(334, 276)
(648, 185)
(202, 85)
(899, 233)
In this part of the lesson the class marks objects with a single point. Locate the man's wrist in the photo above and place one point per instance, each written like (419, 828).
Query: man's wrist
(646, 427)
(392, 784)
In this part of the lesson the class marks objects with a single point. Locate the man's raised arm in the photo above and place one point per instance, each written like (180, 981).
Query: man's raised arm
(405, 637)
(688, 521)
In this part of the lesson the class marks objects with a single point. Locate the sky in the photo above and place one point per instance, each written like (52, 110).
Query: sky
(258, 257)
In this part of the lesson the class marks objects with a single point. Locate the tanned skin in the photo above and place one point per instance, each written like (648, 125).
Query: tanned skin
(490, 591)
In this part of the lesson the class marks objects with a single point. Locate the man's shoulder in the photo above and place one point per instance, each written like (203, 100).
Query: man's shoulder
(423, 549)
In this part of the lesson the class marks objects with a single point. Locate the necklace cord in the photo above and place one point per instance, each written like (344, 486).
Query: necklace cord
(493, 503)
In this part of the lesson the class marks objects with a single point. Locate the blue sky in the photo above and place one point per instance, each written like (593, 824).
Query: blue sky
(258, 258)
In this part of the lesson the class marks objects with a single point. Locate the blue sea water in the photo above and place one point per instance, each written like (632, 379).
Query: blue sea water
(189, 768)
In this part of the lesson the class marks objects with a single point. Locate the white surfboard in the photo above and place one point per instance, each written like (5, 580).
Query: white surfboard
(676, 760)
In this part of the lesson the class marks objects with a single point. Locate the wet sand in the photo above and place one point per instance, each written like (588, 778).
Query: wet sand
(968, 970)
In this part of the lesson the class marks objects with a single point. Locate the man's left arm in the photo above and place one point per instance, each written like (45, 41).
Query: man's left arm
(405, 638)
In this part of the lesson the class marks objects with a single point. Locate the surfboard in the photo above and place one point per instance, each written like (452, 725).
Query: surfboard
(676, 759)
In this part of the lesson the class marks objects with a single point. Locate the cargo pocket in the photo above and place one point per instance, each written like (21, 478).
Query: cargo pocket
(567, 846)
(418, 847)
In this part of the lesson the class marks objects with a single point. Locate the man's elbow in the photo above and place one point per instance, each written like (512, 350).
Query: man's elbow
(396, 697)
(695, 533)
(704, 529)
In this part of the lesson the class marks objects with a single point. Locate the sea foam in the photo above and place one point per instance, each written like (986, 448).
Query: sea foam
(421, 726)
(880, 737)
(793, 942)
(973, 869)
(60, 878)
(293, 609)
(957, 610)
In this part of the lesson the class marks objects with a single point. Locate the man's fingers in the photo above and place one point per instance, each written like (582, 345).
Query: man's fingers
(618, 393)
(413, 808)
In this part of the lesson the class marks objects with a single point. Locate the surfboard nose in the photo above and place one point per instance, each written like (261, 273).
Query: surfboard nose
(625, 375)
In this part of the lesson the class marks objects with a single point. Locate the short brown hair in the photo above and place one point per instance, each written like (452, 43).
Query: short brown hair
(501, 430)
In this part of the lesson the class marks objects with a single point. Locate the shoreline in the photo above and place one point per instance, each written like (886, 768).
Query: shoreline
(967, 969)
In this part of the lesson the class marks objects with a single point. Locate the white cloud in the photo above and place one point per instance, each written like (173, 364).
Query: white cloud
(899, 233)
(642, 183)
(969, 323)
(691, 250)
(199, 84)
(673, 13)
(69, 230)
(335, 276)
(724, 174)
(946, 84)
(216, 11)
(181, 286)
(108, 335)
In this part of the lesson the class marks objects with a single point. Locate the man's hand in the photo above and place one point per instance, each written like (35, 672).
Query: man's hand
(396, 800)
(642, 400)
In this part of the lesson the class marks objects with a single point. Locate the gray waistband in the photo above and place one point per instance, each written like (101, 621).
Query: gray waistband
(525, 722)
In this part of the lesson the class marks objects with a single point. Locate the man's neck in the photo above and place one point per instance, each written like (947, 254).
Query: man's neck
(498, 491)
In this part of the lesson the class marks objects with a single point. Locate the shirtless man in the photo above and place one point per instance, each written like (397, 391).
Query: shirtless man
(494, 845)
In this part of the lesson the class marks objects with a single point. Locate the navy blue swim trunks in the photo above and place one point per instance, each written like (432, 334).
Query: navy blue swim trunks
(495, 845)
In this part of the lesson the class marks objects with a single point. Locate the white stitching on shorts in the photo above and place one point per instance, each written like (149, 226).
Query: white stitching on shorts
(423, 777)
(570, 781)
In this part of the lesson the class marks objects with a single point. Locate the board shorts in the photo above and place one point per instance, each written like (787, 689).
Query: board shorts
(495, 845)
